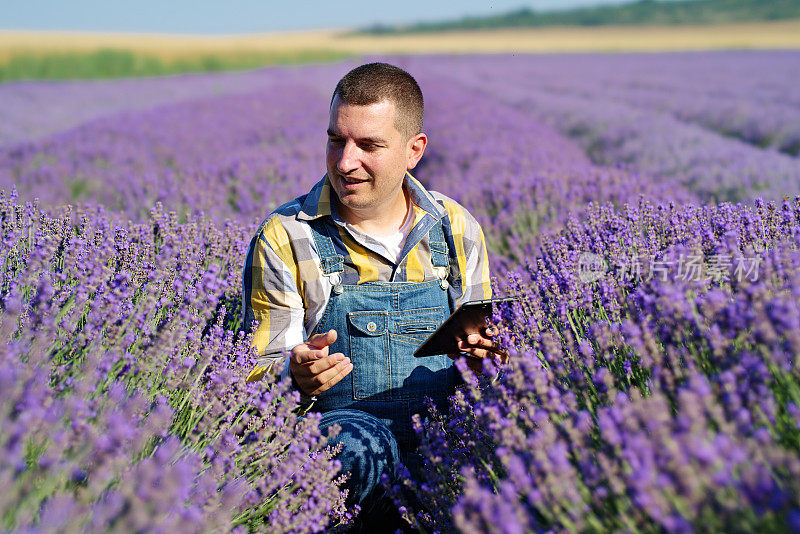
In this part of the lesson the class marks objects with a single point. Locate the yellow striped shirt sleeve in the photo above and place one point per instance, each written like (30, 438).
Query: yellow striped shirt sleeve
(275, 300)
(471, 253)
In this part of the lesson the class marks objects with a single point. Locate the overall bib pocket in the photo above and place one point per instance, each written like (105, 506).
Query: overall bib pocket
(369, 353)
(411, 327)
(416, 331)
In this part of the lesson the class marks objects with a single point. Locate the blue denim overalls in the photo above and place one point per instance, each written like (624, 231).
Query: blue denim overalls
(379, 325)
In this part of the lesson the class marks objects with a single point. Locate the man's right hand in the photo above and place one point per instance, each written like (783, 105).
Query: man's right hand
(313, 368)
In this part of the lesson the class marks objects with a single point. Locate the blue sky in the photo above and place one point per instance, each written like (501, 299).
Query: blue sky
(244, 16)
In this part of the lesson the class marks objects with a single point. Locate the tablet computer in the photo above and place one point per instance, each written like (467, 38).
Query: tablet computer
(469, 318)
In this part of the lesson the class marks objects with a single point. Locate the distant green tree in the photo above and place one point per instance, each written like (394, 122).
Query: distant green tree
(640, 12)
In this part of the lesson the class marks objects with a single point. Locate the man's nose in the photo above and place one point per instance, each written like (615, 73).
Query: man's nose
(348, 159)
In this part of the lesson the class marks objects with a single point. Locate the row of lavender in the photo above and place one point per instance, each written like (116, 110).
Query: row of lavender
(749, 95)
(237, 155)
(725, 125)
(744, 95)
(241, 155)
(631, 404)
(32, 110)
(712, 122)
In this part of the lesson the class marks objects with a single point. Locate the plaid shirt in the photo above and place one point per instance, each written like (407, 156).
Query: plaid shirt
(286, 293)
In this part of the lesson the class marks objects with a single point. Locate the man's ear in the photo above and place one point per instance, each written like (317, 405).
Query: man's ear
(415, 148)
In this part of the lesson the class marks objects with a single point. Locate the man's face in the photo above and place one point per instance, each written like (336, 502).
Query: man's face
(367, 158)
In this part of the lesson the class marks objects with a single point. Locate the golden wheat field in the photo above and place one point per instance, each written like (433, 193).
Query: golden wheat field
(780, 34)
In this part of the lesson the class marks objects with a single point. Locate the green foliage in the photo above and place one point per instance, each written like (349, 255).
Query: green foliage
(113, 63)
(641, 12)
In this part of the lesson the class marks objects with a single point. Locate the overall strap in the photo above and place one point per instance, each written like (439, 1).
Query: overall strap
(330, 261)
(439, 256)
(456, 285)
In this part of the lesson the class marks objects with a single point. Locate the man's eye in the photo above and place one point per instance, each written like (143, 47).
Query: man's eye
(335, 141)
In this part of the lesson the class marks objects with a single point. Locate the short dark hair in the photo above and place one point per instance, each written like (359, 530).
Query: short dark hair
(374, 82)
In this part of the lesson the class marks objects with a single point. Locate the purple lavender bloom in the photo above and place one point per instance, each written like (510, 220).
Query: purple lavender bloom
(662, 394)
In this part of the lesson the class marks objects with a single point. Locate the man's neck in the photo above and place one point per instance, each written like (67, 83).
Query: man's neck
(381, 222)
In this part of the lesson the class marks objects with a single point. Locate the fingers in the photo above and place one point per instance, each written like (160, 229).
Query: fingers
(315, 371)
(476, 353)
(302, 354)
(331, 377)
(483, 340)
(319, 341)
(480, 354)
(318, 366)
(321, 375)
(478, 346)
(315, 348)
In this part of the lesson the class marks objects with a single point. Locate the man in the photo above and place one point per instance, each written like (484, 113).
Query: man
(350, 278)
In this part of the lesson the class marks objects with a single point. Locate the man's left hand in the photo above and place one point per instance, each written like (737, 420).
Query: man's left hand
(478, 346)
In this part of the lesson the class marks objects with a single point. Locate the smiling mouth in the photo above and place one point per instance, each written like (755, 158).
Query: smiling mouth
(352, 180)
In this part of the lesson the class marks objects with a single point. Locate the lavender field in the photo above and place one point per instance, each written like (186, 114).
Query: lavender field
(646, 208)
